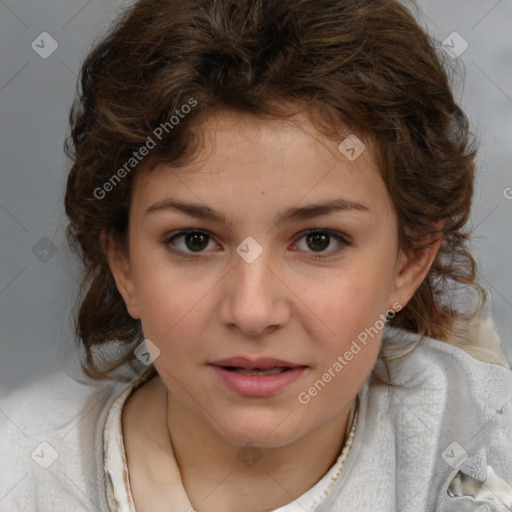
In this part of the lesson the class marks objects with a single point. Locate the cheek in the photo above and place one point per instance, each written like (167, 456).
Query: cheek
(354, 332)
(353, 299)
(347, 350)
(349, 319)
(169, 302)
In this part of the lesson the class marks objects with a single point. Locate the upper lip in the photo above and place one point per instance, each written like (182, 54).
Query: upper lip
(263, 363)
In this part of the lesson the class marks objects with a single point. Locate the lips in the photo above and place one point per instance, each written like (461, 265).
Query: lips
(263, 377)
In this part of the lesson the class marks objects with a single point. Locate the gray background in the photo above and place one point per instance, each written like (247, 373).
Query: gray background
(37, 296)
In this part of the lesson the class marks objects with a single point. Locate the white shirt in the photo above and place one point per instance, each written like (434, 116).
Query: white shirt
(438, 439)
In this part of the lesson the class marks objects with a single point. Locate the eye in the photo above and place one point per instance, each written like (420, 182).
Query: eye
(197, 241)
(194, 240)
(319, 240)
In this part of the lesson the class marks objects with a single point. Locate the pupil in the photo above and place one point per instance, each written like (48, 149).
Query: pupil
(196, 238)
(323, 238)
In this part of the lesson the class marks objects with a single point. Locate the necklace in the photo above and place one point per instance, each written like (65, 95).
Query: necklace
(353, 418)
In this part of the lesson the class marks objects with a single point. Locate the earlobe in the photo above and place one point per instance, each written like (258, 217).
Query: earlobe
(412, 269)
(119, 265)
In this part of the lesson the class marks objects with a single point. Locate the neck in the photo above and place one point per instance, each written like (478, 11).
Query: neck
(219, 474)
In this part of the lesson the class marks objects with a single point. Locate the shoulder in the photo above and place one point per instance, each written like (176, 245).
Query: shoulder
(449, 408)
(475, 348)
(53, 403)
(477, 368)
(51, 443)
(431, 415)
(442, 378)
(480, 340)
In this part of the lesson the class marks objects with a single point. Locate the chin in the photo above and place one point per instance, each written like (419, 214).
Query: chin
(271, 433)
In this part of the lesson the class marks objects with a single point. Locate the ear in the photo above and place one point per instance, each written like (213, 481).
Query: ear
(412, 268)
(119, 264)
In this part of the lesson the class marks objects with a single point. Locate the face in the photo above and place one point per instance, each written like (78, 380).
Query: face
(250, 272)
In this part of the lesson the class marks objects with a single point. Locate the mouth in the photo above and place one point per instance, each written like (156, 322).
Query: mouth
(259, 377)
(260, 366)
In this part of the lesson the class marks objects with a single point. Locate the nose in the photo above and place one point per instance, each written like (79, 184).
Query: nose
(254, 296)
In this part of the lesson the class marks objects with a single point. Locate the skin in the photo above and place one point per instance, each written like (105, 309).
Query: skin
(286, 304)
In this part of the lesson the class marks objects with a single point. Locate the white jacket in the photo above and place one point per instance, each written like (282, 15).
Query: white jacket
(437, 438)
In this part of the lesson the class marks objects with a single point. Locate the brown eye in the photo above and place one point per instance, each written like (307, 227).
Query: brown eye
(318, 241)
(194, 242)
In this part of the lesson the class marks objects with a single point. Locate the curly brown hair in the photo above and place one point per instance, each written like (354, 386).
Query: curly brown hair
(365, 66)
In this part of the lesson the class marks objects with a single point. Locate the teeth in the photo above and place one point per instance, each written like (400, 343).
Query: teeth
(270, 371)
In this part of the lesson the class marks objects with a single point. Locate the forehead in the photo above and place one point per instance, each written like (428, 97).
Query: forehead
(281, 159)
(228, 130)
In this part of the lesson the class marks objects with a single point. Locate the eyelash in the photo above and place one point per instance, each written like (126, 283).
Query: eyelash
(338, 236)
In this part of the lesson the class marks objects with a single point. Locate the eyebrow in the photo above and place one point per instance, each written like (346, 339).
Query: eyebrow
(310, 211)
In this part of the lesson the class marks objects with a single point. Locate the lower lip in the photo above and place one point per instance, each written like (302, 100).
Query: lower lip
(258, 385)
